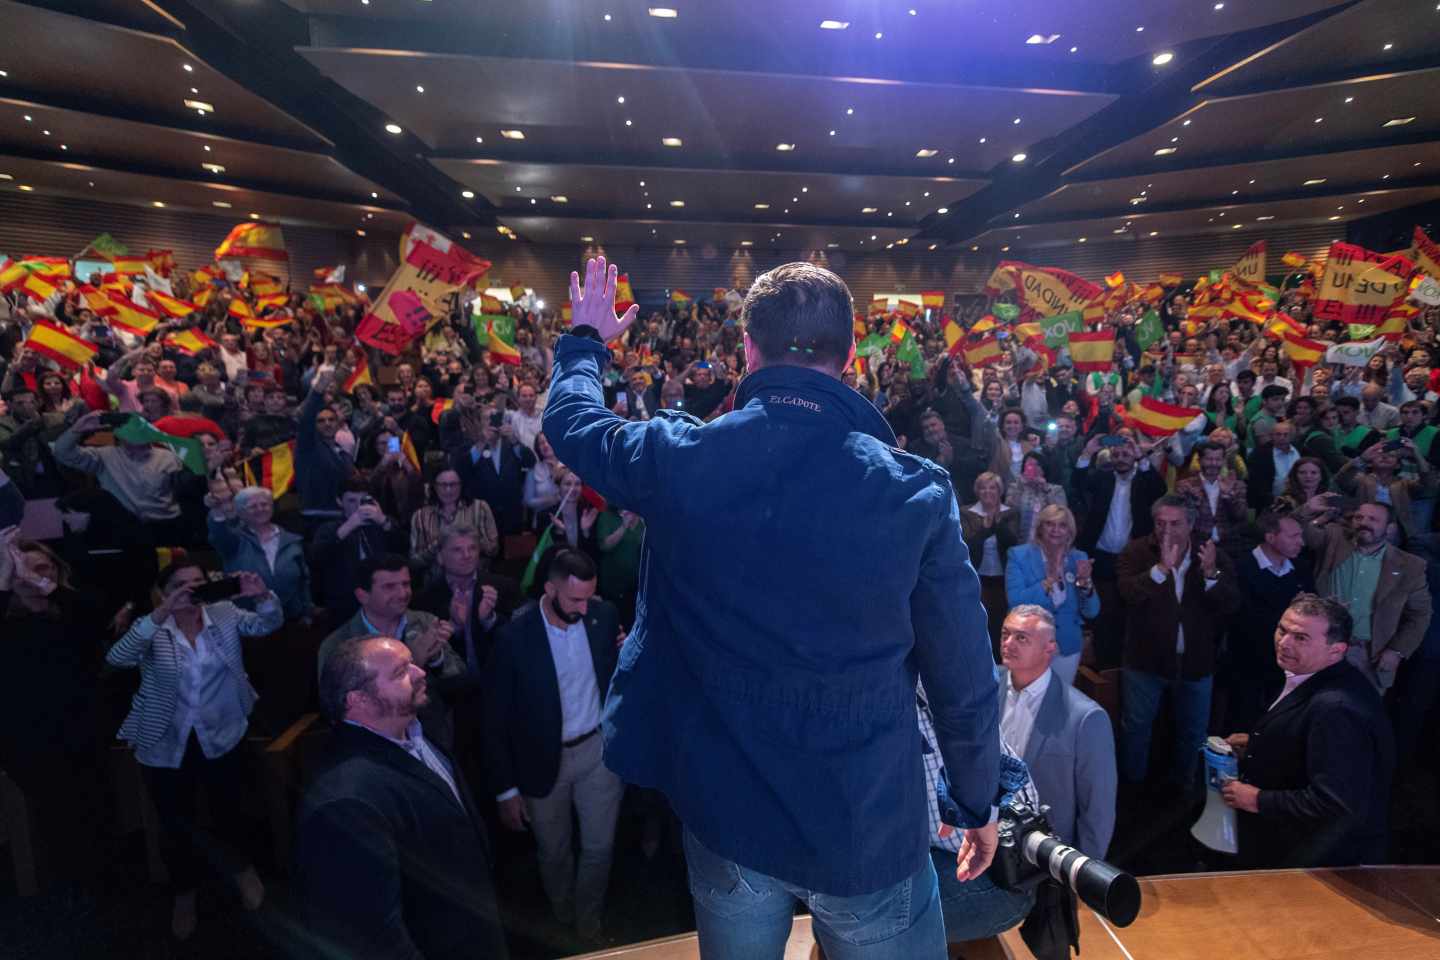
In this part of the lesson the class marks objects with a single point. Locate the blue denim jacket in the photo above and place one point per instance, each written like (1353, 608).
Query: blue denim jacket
(798, 572)
(239, 550)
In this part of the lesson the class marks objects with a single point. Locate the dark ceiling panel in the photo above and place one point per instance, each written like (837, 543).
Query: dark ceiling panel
(1103, 31)
(37, 130)
(117, 186)
(140, 14)
(89, 65)
(706, 194)
(1211, 219)
(648, 233)
(1373, 36)
(1283, 124)
(570, 111)
(1387, 166)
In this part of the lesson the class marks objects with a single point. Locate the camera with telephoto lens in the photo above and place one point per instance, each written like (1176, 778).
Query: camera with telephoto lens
(1028, 852)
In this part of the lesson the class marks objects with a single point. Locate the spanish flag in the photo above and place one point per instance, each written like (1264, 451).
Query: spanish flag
(407, 447)
(679, 296)
(130, 266)
(624, 296)
(1116, 279)
(907, 309)
(60, 345)
(1093, 351)
(12, 274)
(202, 295)
(1396, 322)
(274, 469)
(271, 301)
(162, 261)
(256, 246)
(96, 301)
(269, 322)
(1156, 419)
(517, 291)
(983, 353)
(359, 374)
(954, 336)
(899, 331)
(1302, 352)
(438, 408)
(1281, 326)
(132, 318)
(501, 330)
(984, 325)
(170, 306)
(240, 310)
(52, 268)
(566, 311)
(932, 299)
(492, 305)
(1295, 260)
(263, 285)
(1170, 279)
(189, 342)
(1029, 333)
(38, 287)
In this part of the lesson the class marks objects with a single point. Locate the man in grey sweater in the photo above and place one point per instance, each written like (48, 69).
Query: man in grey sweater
(139, 476)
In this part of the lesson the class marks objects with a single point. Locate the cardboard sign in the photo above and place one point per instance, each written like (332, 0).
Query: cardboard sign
(382, 335)
(413, 317)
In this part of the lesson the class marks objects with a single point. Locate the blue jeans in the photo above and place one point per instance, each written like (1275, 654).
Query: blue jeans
(976, 909)
(742, 914)
(1140, 702)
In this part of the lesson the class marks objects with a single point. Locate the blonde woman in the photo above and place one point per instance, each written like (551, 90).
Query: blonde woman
(1049, 572)
(990, 529)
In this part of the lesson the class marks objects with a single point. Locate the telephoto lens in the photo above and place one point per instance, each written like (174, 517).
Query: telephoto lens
(1111, 892)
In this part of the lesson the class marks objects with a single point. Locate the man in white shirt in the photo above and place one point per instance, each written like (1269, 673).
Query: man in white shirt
(1374, 411)
(1063, 736)
(546, 679)
(525, 418)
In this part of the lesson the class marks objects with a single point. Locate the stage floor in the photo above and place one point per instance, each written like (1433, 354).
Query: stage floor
(1379, 913)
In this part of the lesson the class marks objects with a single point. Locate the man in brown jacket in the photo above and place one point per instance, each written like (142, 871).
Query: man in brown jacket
(1177, 597)
(1381, 585)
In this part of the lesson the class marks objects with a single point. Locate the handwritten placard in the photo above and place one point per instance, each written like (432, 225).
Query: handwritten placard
(410, 311)
(454, 267)
(382, 335)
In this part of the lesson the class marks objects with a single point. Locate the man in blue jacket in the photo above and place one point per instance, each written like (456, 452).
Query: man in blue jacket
(798, 572)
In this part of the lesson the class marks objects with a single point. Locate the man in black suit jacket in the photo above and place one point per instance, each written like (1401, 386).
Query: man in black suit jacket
(545, 683)
(391, 857)
(1268, 461)
(492, 468)
(1111, 522)
(1314, 787)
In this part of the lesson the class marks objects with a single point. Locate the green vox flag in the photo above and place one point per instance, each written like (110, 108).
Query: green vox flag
(873, 345)
(139, 430)
(1216, 275)
(108, 246)
(1058, 328)
(1006, 311)
(909, 352)
(1149, 329)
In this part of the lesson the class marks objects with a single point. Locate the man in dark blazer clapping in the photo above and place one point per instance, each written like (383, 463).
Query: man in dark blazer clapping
(391, 857)
(1314, 787)
(492, 467)
(545, 683)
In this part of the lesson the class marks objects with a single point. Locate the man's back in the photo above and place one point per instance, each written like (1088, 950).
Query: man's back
(797, 570)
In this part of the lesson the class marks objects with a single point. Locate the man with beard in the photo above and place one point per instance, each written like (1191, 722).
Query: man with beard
(391, 857)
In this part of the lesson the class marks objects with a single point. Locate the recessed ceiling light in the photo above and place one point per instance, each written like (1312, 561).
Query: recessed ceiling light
(1036, 39)
(1018, 158)
(4, 74)
(950, 160)
(677, 203)
(465, 234)
(1319, 119)
(1174, 139)
(374, 195)
(1415, 164)
(664, 13)
(672, 141)
(559, 198)
(1160, 59)
(1081, 240)
(468, 194)
(832, 133)
(762, 206)
(907, 203)
(6, 176)
(479, 139)
(784, 147)
(804, 189)
(223, 205)
(1005, 249)
(1252, 183)
(1185, 124)
(1154, 233)
(533, 201)
(63, 147)
(254, 216)
(27, 188)
(513, 134)
(649, 206)
(46, 132)
(1314, 181)
(1074, 49)
(834, 24)
(359, 233)
(680, 243)
(943, 210)
(588, 239)
(879, 35)
(619, 99)
(1388, 46)
(1164, 151)
(1335, 217)
(214, 168)
(1016, 121)
(1349, 99)
(517, 189)
(629, 122)
(607, 18)
(926, 152)
(869, 209)
(187, 68)
(419, 88)
(872, 236)
(1234, 193)
(393, 128)
(1385, 177)
(747, 243)
(1399, 121)
(794, 199)
(1236, 226)
(888, 213)
(982, 139)
(29, 119)
(157, 203)
(849, 111)
(200, 106)
(911, 11)
(926, 193)
(1139, 29)
(1219, 6)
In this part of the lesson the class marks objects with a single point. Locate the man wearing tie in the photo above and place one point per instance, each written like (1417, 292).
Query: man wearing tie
(1314, 787)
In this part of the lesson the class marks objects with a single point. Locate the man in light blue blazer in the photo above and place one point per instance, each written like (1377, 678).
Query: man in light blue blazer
(1063, 736)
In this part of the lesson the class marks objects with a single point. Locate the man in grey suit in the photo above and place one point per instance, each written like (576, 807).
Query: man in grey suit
(1064, 737)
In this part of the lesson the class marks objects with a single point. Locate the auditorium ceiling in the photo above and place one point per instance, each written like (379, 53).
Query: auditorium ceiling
(850, 124)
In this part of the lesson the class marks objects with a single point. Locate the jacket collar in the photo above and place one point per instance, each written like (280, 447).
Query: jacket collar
(820, 393)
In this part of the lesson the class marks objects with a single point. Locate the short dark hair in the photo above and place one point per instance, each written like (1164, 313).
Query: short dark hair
(167, 572)
(801, 314)
(569, 563)
(387, 562)
(1347, 401)
(1409, 404)
(1339, 624)
(344, 670)
(1177, 502)
(1389, 510)
(1206, 446)
(353, 483)
(1274, 390)
(1245, 375)
(1294, 405)
(1268, 521)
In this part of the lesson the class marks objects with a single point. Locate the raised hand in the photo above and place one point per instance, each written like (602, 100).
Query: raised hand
(595, 307)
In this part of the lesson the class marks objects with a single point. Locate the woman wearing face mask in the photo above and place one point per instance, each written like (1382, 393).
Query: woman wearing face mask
(188, 720)
(1049, 572)
(53, 642)
(1032, 493)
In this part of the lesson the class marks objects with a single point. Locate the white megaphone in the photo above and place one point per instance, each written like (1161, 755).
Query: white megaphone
(1216, 827)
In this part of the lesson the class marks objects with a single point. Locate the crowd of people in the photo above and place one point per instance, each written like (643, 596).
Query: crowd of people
(392, 540)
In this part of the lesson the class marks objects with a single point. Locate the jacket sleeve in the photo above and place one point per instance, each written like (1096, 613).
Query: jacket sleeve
(130, 649)
(617, 457)
(1415, 618)
(1020, 585)
(1336, 743)
(222, 537)
(1095, 784)
(1132, 575)
(352, 881)
(952, 648)
(264, 620)
(69, 453)
(1089, 603)
(307, 438)
(497, 702)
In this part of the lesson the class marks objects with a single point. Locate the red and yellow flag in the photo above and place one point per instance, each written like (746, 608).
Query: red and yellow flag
(274, 469)
(983, 353)
(1302, 352)
(954, 336)
(517, 291)
(264, 285)
(203, 295)
(52, 268)
(679, 296)
(161, 261)
(985, 324)
(898, 331)
(624, 296)
(932, 299)
(130, 266)
(38, 287)
(257, 246)
(60, 345)
(407, 447)
(907, 309)
(1296, 260)
(96, 301)
(1170, 280)
(359, 374)
(1360, 285)
(566, 311)
(240, 310)
(189, 342)
(271, 321)
(1116, 279)
(1427, 254)
(12, 274)
(1157, 419)
(131, 317)
(1251, 267)
(170, 306)
(1093, 351)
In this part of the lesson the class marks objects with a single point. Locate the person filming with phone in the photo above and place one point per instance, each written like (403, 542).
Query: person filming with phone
(189, 717)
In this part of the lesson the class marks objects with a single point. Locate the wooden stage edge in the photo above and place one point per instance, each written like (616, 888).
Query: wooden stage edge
(1354, 913)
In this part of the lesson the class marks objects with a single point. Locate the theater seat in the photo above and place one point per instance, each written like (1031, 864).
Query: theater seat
(286, 764)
